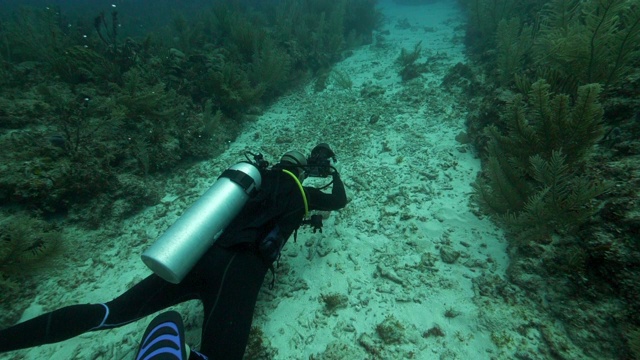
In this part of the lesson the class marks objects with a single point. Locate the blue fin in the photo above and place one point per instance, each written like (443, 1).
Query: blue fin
(163, 339)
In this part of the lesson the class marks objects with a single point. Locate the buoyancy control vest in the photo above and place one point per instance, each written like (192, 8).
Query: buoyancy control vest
(277, 210)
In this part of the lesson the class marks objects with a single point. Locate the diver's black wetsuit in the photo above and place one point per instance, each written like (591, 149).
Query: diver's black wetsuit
(226, 279)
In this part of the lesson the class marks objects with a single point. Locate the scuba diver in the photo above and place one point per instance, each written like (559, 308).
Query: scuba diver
(226, 277)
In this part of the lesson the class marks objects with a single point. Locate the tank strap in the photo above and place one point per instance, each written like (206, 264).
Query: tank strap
(242, 179)
(304, 195)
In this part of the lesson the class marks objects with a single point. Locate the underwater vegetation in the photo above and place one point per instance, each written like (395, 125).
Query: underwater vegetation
(92, 118)
(27, 244)
(535, 182)
(567, 42)
(410, 68)
(589, 41)
(554, 121)
(85, 109)
(25, 239)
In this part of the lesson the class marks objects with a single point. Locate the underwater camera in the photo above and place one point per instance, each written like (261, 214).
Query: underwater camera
(319, 162)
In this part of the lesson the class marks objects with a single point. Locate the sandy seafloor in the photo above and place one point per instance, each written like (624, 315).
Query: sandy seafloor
(409, 184)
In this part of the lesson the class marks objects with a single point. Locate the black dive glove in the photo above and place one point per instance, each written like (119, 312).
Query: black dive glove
(315, 221)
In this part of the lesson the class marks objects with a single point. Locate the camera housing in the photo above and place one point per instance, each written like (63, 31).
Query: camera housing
(319, 162)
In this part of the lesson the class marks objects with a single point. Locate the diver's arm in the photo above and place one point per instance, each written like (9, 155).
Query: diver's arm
(322, 201)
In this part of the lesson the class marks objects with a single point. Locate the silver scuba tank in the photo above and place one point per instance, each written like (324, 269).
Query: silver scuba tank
(177, 250)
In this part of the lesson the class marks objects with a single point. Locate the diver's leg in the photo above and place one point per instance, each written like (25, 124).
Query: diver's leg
(229, 303)
(148, 296)
(52, 327)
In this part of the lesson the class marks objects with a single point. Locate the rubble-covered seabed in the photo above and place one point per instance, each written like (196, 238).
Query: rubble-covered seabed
(405, 271)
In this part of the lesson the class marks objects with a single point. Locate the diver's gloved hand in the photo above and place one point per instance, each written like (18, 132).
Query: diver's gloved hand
(315, 221)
